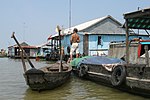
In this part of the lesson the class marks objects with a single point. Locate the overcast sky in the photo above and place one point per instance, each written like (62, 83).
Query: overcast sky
(34, 20)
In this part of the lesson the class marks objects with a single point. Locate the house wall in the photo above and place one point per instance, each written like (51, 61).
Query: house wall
(95, 49)
(91, 44)
(33, 52)
(41, 51)
(11, 51)
(108, 29)
(66, 43)
(118, 50)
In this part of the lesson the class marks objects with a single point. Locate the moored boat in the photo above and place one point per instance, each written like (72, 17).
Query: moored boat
(113, 72)
(132, 74)
(48, 77)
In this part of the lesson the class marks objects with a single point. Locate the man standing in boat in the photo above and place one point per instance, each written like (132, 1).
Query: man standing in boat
(74, 40)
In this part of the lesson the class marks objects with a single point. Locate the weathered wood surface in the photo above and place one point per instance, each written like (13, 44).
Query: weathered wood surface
(49, 77)
(137, 79)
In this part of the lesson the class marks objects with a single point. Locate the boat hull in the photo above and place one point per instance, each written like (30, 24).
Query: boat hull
(137, 78)
(37, 79)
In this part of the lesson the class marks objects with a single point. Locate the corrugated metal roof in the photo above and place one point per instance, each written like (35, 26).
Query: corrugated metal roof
(85, 25)
(23, 45)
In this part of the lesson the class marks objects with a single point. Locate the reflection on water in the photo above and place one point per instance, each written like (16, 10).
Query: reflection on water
(78, 89)
(13, 87)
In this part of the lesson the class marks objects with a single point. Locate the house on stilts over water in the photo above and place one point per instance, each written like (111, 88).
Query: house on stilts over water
(96, 35)
(131, 73)
(15, 52)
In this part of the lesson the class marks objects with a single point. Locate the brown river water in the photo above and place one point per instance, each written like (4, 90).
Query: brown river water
(13, 86)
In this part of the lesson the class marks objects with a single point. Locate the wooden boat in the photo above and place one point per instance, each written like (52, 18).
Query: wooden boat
(47, 77)
(114, 72)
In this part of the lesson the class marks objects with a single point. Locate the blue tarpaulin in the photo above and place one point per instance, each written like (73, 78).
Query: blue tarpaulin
(96, 60)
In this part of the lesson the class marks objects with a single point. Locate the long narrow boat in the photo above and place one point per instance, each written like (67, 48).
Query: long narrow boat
(48, 77)
(132, 74)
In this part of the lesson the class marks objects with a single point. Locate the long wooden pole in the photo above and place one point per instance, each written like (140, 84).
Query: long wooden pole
(61, 67)
(13, 36)
(69, 15)
(127, 42)
(23, 62)
(146, 55)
